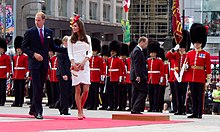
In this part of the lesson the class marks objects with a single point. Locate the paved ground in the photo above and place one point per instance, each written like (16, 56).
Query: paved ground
(209, 123)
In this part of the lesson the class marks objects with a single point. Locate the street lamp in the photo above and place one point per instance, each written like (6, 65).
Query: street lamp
(22, 7)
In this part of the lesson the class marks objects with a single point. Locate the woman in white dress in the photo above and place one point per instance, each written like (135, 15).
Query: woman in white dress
(79, 51)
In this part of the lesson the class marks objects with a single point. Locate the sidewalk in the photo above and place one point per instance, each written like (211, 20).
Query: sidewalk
(209, 123)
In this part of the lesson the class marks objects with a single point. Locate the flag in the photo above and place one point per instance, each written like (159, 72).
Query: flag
(126, 5)
(126, 30)
(177, 26)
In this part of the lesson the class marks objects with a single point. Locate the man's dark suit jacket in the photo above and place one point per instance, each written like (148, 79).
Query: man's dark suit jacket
(32, 44)
(138, 66)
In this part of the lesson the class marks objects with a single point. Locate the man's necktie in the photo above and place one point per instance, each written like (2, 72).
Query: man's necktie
(41, 37)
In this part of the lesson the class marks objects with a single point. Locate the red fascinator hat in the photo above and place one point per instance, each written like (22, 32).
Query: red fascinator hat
(73, 20)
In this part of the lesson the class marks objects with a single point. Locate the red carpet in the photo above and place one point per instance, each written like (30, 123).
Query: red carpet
(30, 124)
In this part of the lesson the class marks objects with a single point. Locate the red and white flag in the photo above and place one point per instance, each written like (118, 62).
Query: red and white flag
(126, 5)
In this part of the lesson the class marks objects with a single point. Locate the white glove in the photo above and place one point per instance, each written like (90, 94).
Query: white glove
(167, 83)
(161, 79)
(120, 78)
(27, 75)
(7, 75)
(176, 47)
(103, 78)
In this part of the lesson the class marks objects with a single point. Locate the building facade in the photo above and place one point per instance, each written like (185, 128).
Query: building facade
(101, 17)
(150, 18)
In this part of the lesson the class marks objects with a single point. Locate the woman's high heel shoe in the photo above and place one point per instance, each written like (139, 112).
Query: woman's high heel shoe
(84, 117)
(80, 118)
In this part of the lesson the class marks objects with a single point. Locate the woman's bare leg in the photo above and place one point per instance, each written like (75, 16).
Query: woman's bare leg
(78, 100)
(84, 95)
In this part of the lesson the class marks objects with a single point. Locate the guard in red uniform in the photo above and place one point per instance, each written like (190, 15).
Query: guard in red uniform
(5, 69)
(155, 75)
(96, 69)
(128, 80)
(20, 72)
(164, 83)
(48, 83)
(122, 91)
(199, 68)
(55, 92)
(104, 78)
(178, 54)
(115, 73)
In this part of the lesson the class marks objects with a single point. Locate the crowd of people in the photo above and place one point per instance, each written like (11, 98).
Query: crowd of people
(78, 72)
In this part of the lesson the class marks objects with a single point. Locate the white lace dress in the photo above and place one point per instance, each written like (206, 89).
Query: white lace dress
(78, 51)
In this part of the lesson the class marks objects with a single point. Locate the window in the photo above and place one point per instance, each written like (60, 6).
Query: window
(119, 11)
(48, 5)
(92, 10)
(78, 7)
(106, 12)
(62, 7)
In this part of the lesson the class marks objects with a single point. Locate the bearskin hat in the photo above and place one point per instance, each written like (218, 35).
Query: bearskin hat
(3, 44)
(153, 46)
(124, 49)
(132, 45)
(116, 46)
(96, 44)
(185, 43)
(18, 42)
(105, 50)
(161, 54)
(57, 42)
(198, 34)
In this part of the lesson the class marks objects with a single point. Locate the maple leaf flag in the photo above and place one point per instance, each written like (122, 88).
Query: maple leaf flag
(126, 5)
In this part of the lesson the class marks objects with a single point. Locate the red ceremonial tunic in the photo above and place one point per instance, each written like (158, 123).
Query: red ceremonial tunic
(199, 66)
(20, 66)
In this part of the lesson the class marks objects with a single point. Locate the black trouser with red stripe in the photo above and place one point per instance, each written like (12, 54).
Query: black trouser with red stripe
(154, 90)
(2, 91)
(181, 88)
(19, 85)
(197, 93)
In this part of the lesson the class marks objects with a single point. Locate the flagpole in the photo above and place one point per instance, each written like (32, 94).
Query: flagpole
(183, 14)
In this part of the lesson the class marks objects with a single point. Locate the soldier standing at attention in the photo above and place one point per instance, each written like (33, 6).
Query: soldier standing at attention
(199, 68)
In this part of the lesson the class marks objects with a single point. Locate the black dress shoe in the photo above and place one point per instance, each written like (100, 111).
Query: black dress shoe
(20, 105)
(178, 113)
(32, 113)
(135, 112)
(103, 108)
(150, 110)
(90, 108)
(110, 109)
(64, 113)
(14, 105)
(192, 116)
(38, 116)
(199, 116)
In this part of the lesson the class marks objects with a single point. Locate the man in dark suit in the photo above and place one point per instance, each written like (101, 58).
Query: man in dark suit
(138, 76)
(36, 43)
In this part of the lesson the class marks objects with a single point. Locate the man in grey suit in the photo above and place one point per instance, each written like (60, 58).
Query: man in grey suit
(138, 76)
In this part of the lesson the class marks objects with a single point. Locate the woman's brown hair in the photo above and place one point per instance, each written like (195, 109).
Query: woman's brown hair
(82, 32)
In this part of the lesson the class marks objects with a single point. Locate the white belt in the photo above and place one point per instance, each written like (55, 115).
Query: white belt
(54, 68)
(112, 70)
(2, 66)
(153, 71)
(172, 69)
(95, 69)
(19, 68)
(128, 71)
